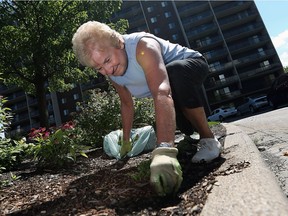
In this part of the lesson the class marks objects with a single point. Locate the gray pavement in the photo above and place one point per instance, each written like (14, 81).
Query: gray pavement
(246, 183)
(269, 132)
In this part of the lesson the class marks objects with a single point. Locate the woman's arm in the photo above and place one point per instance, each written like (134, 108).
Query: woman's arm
(150, 58)
(127, 109)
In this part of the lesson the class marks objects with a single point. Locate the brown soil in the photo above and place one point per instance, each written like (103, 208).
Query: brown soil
(101, 185)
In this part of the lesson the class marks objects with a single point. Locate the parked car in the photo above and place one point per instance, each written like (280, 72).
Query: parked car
(222, 113)
(252, 105)
(278, 93)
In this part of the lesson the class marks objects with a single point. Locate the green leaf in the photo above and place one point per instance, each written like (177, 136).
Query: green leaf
(36, 39)
(83, 154)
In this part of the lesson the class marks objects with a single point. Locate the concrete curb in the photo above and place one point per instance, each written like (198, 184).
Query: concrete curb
(253, 190)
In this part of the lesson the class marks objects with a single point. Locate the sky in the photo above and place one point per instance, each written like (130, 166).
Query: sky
(274, 14)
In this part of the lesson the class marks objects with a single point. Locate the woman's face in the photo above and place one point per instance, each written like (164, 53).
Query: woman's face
(110, 61)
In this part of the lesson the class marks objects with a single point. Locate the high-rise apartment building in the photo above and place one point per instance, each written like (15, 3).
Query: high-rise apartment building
(230, 34)
(60, 105)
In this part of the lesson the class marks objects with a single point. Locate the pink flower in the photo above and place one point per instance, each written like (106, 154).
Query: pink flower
(68, 125)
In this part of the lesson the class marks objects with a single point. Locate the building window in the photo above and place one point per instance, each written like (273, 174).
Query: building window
(207, 41)
(222, 78)
(50, 107)
(214, 66)
(254, 39)
(150, 9)
(51, 119)
(164, 4)
(76, 96)
(208, 54)
(64, 100)
(175, 37)
(156, 30)
(226, 90)
(204, 42)
(167, 14)
(261, 52)
(153, 20)
(264, 63)
(171, 25)
(198, 43)
(78, 108)
(66, 112)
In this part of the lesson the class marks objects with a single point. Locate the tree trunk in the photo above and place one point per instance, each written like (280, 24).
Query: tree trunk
(42, 104)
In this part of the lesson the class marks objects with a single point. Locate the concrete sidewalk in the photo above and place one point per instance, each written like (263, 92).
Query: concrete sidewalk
(252, 190)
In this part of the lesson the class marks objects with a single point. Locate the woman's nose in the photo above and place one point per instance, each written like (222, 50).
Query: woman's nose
(108, 69)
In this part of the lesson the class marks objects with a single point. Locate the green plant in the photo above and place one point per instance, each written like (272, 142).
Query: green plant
(14, 177)
(4, 183)
(144, 112)
(143, 171)
(13, 152)
(55, 148)
(7, 182)
(5, 115)
(100, 115)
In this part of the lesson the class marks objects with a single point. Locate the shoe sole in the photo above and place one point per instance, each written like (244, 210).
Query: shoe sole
(204, 161)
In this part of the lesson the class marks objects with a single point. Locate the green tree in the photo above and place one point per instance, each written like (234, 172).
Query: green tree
(286, 69)
(35, 44)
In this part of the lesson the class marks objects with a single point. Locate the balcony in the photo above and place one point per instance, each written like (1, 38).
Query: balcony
(215, 54)
(224, 97)
(257, 57)
(188, 9)
(222, 82)
(220, 68)
(238, 32)
(259, 71)
(238, 47)
(201, 31)
(229, 7)
(197, 19)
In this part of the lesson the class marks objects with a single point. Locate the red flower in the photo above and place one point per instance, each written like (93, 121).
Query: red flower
(68, 125)
(39, 133)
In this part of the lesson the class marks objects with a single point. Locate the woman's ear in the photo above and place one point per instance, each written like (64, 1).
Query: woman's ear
(121, 43)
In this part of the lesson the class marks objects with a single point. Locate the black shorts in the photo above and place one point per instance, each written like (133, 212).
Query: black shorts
(186, 79)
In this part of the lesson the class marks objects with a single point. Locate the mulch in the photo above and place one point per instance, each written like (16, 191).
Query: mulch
(99, 185)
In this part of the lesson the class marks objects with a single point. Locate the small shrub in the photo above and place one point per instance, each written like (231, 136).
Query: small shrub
(100, 115)
(13, 152)
(5, 116)
(56, 147)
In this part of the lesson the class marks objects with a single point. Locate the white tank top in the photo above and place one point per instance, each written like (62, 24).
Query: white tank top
(134, 77)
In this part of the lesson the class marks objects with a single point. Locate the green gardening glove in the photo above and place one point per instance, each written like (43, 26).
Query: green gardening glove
(166, 173)
(126, 146)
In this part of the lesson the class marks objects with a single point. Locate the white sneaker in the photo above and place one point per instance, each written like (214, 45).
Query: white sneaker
(208, 150)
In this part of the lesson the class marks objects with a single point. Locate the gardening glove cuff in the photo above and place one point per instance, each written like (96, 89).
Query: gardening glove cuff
(126, 146)
(166, 173)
